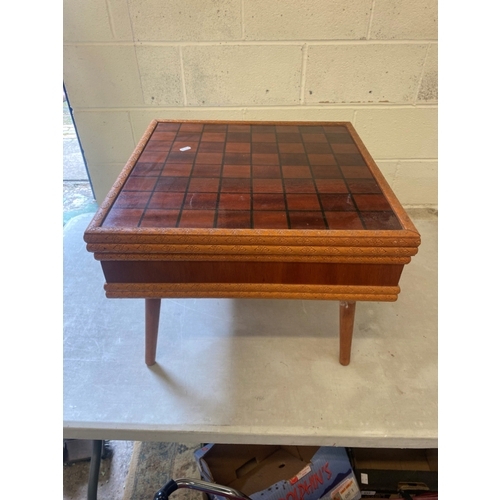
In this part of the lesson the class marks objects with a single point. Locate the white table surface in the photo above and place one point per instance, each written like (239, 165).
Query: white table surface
(251, 371)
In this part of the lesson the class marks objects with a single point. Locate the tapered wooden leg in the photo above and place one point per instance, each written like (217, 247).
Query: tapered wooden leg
(152, 322)
(347, 311)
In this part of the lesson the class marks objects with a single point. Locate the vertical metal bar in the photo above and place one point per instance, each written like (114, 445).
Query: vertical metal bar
(95, 465)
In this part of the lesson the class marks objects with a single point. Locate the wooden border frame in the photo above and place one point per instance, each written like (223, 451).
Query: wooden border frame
(251, 290)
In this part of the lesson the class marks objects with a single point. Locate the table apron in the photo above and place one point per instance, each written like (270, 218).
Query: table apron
(282, 273)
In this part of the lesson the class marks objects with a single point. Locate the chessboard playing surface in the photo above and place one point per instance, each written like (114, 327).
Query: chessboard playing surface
(244, 176)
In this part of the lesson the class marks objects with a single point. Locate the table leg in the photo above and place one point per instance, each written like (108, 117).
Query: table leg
(152, 322)
(95, 464)
(347, 311)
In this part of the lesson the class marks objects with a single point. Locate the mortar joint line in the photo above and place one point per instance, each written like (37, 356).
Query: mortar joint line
(130, 22)
(245, 109)
(110, 20)
(305, 52)
(243, 19)
(370, 21)
(131, 127)
(250, 43)
(135, 54)
(415, 98)
(396, 172)
(183, 77)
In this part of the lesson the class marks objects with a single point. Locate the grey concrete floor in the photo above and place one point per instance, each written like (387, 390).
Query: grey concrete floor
(112, 474)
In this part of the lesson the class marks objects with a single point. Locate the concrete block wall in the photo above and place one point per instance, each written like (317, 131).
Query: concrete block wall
(370, 62)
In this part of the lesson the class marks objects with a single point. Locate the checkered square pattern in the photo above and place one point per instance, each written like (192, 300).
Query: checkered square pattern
(195, 175)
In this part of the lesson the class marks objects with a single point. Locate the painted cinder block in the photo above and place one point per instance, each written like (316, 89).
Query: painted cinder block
(388, 169)
(160, 71)
(106, 136)
(102, 76)
(96, 21)
(306, 19)
(300, 113)
(416, 183)
(368, 73)
(399, 132)
(194, 20)
(242, 75)
(428, 90)
(103, 177)
(405, 20)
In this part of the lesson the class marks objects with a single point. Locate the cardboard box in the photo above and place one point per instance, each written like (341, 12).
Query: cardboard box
(385, 470)
(265, 472)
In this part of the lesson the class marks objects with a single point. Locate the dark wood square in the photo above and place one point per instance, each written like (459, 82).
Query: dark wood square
(331, 186)
(207, 170)
(197, 218)
(166, 200)
(119, 217)
(204, 185)
(159, 218)
(343, 220)
(264, 201)
(307, 220)
(233, 219)
(148, 169)
(238, 147)
(267, 186)
(200, 201)
(265, 159)
(372, 202)
(177, 170)
(237, 159)
(299, 186)
(239, 137)
(270, 220)
(264, 147)
(266, 172)
(380, 220)
(293, 159)
(172, 184)
(211, 147)
(363, 186)
(337, 202)
(209, 159)
(213, 137)
(326, 172)
(235, 185)
(140, 184)
(132, 199)
(296, 172)
(236, 171)
(166, 127)
(302, 202)
(234, 201)
(291, 147)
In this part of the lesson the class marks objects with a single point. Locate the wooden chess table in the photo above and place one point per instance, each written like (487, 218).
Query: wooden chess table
(278, 210)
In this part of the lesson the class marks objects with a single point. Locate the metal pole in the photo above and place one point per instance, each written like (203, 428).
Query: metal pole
(95, 465)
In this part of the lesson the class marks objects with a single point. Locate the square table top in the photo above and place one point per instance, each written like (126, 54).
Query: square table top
(299, 176)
